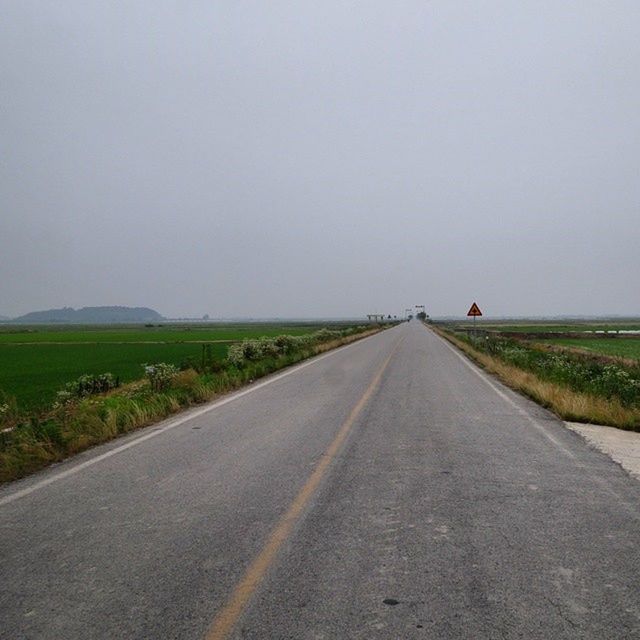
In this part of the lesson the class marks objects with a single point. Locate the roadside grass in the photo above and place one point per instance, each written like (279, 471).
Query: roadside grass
(29, 443)
(576, 388)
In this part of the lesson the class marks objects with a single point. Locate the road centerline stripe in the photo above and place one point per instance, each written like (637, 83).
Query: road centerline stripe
(230, 613)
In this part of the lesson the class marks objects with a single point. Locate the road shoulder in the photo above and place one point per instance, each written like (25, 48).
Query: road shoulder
(622, 446)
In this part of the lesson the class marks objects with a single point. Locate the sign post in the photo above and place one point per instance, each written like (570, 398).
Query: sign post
(474, 312)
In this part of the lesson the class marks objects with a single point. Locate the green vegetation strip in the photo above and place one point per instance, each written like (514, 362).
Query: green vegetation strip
(34, 373)
(618, 347)
(35, 362)
(578, 387)
(15, 335)
(89, 411)
(551, 327)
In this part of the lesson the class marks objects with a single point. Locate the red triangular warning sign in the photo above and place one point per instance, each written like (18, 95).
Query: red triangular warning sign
(474, 311)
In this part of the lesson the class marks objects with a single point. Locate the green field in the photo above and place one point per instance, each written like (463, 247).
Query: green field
(563, 334)
(179, 333)
(549, 327)
(621, 347)
(38, 361)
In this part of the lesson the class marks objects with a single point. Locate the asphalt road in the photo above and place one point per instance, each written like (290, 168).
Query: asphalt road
(385, 490)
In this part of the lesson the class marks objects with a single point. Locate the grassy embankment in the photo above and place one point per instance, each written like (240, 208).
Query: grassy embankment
(579, 387)
(80, 420)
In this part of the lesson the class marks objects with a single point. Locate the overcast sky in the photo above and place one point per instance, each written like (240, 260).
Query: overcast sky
(321, 158)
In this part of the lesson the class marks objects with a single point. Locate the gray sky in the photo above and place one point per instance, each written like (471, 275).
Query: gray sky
(321, 158)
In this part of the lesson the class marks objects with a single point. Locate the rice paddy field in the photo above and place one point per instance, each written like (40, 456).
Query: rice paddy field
(609, 338)
(621, 347)
(37, 361)
(579, 326)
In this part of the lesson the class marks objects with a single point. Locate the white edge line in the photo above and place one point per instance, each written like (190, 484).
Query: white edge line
(483, 376)
(175, 423)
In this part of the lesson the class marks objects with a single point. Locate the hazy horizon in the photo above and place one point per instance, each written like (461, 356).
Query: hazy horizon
(361, 317)
(333, 160)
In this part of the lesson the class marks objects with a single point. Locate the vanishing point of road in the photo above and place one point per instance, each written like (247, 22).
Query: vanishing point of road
(388, 489)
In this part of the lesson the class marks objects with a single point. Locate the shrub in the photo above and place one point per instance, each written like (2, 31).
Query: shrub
(251, 349)
(615, 381)
(254, 350)
(285, 344)
(235, 354)
(87, 385)
(326, 334)
(160, 375)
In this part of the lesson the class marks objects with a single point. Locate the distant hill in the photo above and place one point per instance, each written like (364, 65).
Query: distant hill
(90, 315)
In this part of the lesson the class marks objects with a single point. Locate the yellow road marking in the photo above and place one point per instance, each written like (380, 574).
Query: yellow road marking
(231, 612)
